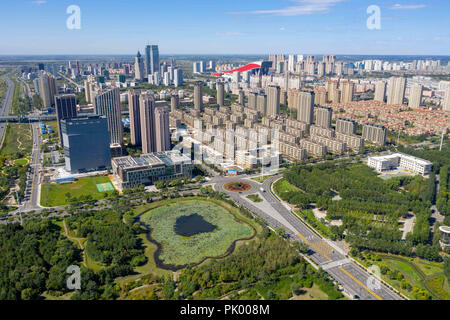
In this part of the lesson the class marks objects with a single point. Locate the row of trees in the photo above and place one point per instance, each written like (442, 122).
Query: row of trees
(443, 197)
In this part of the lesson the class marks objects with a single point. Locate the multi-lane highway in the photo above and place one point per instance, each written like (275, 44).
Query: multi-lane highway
(6, 101)
(324, 253)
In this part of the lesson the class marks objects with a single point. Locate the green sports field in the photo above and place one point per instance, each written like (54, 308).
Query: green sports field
(56, 194)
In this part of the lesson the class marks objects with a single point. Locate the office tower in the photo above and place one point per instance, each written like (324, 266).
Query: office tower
(292, 62)
(162, 132)
(147, 112)
(177, 77)
(86, 143)
(347, 91)
(323, 117)
(241, 98)
(374, 133)
(252, 103)
(202, 66)
(305, 111)
(415, 96)
(107, 103)
(196, 67)
(396, 90)
(151, 59)
(198, 96)
(66, 108)
(135, 117)
(41, 66)
(220, 94)
(212, 65)
(273, 100)
(138, 67)
(261, 103)
(48, 89)
(174, 102)
(380, 91)
(446, 102)
(346, 126)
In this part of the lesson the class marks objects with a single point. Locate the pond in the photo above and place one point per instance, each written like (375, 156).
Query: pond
(188, 226)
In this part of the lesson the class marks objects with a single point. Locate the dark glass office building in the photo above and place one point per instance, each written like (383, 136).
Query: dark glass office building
(86, 144)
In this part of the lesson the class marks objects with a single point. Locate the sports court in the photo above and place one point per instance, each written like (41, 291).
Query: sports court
(102, 187)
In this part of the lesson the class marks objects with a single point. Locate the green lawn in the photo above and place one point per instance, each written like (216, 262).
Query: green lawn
(18, 139)
(261, 179)
(55, 194)
(282, 186)
(21, 162)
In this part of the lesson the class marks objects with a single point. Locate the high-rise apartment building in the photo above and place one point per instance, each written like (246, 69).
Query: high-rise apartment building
(261, 103)
(252, 100)
(347, 91)
(48, 89)
(323, 117)
(66, 108)
(380, 91)
(374, 133)
(162, 131)
(107, 103)
(198, 96)
(446, 102)
(220, 94)
(396, 90)
(415, 96)
(346, 126)
(305, 111)
(177, 77)
(135, 117)
(174, 102)
(147, 113)
(273, 101)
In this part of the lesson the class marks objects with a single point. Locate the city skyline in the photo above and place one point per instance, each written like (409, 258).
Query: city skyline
(306, 26)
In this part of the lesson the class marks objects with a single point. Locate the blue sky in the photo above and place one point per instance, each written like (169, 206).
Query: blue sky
(225, 27)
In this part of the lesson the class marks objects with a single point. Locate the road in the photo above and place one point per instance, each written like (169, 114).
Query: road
(7, 101)
(323, 252)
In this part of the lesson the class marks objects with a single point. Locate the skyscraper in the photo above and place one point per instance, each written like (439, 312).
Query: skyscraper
(151, 59)
(135, 117)
(162, 132)
(305, 111)
(147, 112)
(323, 117)
(198, 96)
(178, 77)
(66, 108)
(220, 94)
(107, 103)
(380, 91)
(396, 90)
(138, 67)
(174, 102)
(415, 96)
(241, 98)
(48, 89)
(273, 100)
(86, 143)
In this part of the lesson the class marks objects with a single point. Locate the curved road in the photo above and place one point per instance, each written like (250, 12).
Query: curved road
(323, 253)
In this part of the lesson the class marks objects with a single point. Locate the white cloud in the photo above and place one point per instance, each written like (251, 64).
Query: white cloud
(282, 28)
(301, 7)
(407, 6)
(39, 2)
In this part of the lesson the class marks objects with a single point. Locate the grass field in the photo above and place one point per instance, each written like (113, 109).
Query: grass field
(179, 250)
(18, 138)
(21, 162)
(254, 197)
(55, 194)
(282, 186)
(261, 179)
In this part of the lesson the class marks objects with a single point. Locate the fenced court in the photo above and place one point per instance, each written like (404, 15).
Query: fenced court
(104, 187)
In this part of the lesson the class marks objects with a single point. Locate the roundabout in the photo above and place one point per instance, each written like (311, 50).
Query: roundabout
(237, 186)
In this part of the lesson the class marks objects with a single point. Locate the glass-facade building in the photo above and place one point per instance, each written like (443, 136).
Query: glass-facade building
(86, 144)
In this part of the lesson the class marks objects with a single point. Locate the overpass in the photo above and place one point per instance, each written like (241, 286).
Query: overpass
(39, 118)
